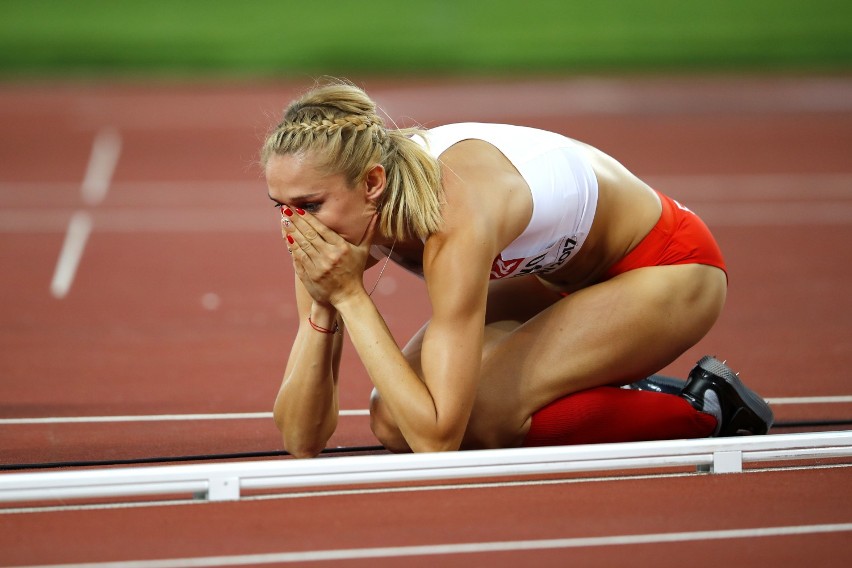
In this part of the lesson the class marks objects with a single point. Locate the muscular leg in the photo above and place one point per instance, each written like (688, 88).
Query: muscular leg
(612, 333)
(539, 347)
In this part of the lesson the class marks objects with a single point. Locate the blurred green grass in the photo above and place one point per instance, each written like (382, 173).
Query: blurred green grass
(263, 38)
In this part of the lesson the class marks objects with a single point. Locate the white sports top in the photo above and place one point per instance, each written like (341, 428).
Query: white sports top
(563, 186)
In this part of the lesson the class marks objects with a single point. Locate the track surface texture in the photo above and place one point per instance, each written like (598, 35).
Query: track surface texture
(144, 275)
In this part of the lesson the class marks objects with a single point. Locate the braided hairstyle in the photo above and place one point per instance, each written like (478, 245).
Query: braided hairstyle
(338, 125)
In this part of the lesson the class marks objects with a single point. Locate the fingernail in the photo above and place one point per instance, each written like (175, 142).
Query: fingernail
(299, 211)
(287, 211)
(290, 239)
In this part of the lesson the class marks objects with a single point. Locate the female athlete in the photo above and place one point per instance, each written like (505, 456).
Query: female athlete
(555, 276)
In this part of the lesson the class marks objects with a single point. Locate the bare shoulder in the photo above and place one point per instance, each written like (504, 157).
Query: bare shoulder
(609, 172)
(484, 193)
(467, 241)
(470, 159)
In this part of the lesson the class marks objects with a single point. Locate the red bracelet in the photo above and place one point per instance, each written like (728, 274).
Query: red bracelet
(321, 329)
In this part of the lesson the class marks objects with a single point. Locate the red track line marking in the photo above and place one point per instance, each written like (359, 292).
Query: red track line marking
(475, 547)
(591, 96)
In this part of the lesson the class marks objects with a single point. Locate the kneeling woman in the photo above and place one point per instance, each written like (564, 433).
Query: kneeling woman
(555, 277)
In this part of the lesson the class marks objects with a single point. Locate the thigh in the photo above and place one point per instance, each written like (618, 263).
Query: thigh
(614, 332)
(518, 299)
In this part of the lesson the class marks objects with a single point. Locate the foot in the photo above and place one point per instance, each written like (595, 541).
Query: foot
(714, 388)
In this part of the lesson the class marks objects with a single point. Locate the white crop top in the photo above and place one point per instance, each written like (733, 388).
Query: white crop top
(564, 193)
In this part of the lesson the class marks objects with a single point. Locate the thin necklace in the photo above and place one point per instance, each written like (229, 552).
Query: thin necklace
(385, 265)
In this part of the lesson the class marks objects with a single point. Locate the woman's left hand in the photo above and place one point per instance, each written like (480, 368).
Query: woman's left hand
(330, 267)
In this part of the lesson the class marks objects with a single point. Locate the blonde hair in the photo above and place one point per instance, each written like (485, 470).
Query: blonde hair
(338, 124)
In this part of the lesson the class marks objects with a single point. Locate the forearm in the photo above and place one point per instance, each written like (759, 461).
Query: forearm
(306, 408)
(405, 395)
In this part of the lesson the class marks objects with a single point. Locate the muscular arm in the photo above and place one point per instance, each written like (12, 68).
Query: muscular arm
(306, 408)
(431, 412)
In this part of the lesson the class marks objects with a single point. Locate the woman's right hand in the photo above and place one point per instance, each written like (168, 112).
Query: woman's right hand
(330, 267)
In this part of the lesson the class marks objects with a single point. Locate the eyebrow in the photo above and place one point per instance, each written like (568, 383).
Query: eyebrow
(298, 199)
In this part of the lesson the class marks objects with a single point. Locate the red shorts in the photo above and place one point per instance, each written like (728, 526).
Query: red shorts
(679, 237)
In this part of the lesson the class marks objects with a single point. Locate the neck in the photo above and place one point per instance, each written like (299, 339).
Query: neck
(400, 245)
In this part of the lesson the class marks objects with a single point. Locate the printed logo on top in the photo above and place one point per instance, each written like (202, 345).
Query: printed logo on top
(545, 262)
(682, 207)
(501, 268)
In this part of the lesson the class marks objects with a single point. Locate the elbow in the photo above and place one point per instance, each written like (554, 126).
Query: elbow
(431, 438)
(301, 446)
(303, 451)
(298, 444)
(384, 428)
(392, 439)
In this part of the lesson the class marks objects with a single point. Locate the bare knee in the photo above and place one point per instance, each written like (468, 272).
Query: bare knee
(707, 299)
(384, 427)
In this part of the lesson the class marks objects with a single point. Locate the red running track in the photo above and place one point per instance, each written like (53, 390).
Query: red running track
(181, 304)
(479, 516)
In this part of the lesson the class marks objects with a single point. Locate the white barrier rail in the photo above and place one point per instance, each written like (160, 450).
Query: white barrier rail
(225, 481)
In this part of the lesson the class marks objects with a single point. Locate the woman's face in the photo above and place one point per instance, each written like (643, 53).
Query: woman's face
(294, 181)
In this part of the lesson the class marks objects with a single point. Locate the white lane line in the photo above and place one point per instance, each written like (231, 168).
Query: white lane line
(79, 228)
(268, 415)
(722, 200)
(156, 418)
(811, 400)
(775, 214)
(720, 186)
(106, 150)
(473, 547)
(730, 189)
(243, 219)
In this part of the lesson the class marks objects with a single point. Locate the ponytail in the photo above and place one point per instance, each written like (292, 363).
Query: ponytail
(410, 168)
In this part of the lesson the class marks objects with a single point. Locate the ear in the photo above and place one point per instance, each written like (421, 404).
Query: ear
(375, 181)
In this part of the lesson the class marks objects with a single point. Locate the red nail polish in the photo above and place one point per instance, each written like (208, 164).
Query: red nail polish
(300, 211)
(290, 239)
(287, 211)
